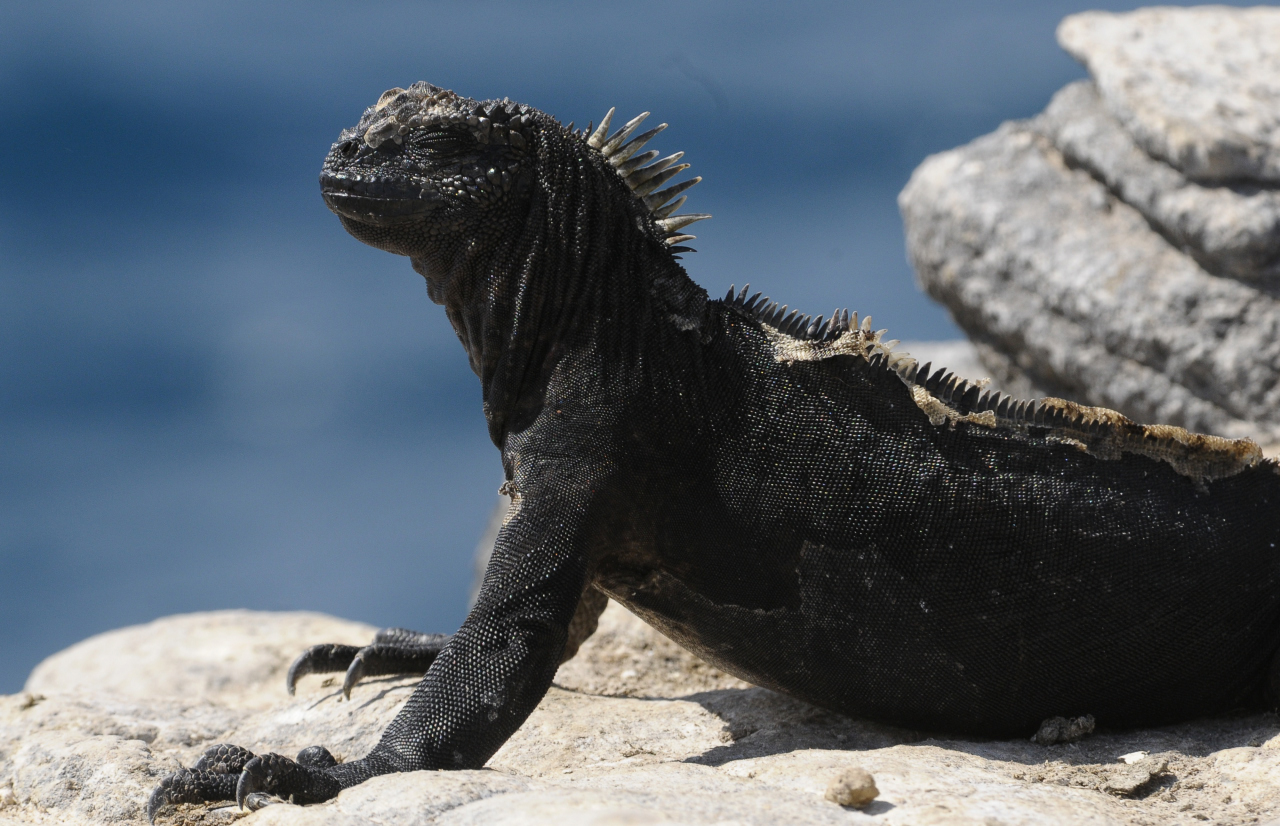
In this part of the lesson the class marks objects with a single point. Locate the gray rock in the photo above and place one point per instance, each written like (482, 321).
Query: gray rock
(1064, 287)
(1134, 777)
(1197, 87)
(852, 787)
(223, 657)
(667, 739)
(1230, 229)
(1065, 730)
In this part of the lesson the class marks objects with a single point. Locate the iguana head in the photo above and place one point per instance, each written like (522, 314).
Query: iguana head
(535, 237)
(432, 175)
(424, 164)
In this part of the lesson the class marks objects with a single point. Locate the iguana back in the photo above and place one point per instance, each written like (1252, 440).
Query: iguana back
(816, 532)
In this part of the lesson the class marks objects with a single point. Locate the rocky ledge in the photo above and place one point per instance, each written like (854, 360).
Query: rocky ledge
(1122, 249)
(636, 730)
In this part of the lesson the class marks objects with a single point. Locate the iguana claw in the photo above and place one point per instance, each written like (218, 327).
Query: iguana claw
(393, 651)
(320, 659)
(227, 772)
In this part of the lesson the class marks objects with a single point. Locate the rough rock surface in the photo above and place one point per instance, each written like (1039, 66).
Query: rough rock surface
(1197, 87)
(635, 731)
(1065, 287)
(1084, 266)
(1231, 230)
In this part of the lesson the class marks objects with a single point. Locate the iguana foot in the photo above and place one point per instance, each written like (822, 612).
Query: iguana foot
(394, 651)
(226, 772)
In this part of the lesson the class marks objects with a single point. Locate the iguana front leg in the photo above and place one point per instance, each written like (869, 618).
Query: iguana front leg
(479, 689)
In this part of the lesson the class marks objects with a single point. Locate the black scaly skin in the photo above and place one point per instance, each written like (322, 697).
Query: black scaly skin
(786, 498)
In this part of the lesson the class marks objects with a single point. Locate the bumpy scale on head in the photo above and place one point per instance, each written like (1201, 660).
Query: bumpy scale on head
(425, 162)
(427, 150)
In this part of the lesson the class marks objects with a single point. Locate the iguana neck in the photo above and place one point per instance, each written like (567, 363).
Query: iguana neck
(581, 272)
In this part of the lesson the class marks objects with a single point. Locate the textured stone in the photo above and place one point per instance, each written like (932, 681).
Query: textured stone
(222, 657)
(852, 787)
(649, 747)
(1230, 229)
(1065, 730)
(1066, 289)
(1131, 778)
(1197, 87)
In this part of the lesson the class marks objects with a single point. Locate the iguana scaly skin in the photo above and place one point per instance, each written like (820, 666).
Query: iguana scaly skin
(790, 499)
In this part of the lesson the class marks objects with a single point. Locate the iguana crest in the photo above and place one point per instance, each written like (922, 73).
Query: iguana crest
(947, 398)
(644, 177)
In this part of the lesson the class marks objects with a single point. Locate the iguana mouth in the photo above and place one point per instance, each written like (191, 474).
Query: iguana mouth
(377, 201)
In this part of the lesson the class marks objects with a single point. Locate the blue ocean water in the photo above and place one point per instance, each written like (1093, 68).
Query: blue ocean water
(211, 397)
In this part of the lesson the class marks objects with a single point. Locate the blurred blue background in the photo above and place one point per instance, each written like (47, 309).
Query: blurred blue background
(211, 396)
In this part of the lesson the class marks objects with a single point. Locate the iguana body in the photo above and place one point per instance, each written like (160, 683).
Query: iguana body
(791, 500)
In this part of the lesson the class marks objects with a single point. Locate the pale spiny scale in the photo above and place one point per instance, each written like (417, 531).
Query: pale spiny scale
(681, 221)
(643, 180)
(663, 212)
(659, 179)
(602, 131)
(637, 162)
(640, 176)
(670, 192)
(613, 143)
(623, 157)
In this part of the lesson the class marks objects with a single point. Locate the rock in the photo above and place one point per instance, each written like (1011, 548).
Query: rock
(853, 787)
(222, 658)
(1133, 777)
(1122, 249)
(1231, 229)
(1065, 289)
(677, 741)
(1197, 87)
(1064, 730)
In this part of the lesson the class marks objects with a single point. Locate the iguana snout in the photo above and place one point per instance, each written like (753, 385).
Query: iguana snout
(424, 166)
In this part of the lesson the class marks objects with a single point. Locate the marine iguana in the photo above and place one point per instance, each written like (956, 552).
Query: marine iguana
(787, 497)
